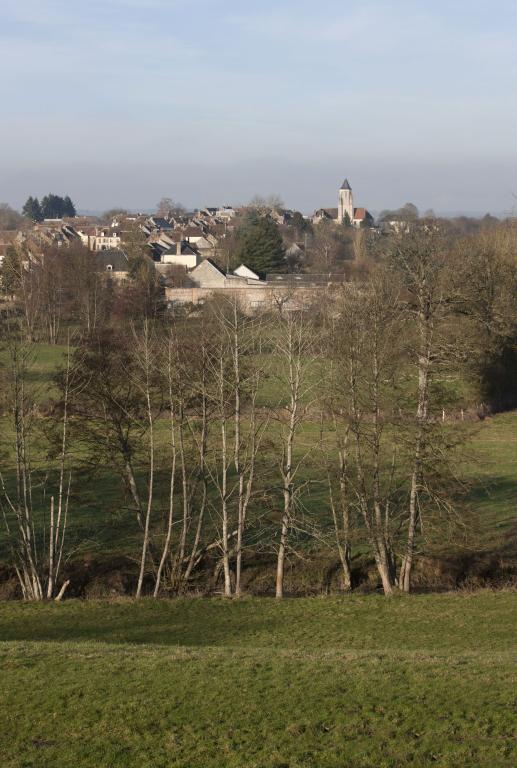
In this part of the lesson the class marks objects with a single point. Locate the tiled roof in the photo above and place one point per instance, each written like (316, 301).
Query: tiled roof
(113, 257)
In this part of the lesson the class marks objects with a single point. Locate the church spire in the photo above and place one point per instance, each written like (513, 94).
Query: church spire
(345, 203)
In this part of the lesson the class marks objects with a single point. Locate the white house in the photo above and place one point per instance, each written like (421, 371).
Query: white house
(100, 239)
(182, 254)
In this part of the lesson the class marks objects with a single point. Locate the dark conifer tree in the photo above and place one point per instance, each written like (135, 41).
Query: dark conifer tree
(52, 207)
(32, 209)
(259, 244)
(68, 207)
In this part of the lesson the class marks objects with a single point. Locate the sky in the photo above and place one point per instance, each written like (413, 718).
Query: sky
(122, 102)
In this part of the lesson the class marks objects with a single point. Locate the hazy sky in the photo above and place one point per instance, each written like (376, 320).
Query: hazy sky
(121, 102)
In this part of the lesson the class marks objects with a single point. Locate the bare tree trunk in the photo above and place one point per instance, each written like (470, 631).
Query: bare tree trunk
(292, 353)
(185, 492)
(146, 363)
(194, 551)
(245, 494)
(224, 509)
(287, 479)
(57, 537)
(280, 560)
(168, 535)
(424, 367)
(50, 584)
(343, 537)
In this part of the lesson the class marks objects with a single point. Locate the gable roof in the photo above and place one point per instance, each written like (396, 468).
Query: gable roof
(244, 271)
(160, 222)
(361, 213)
(114, 258)
(330, 213)
(212, 264)
(186, 250)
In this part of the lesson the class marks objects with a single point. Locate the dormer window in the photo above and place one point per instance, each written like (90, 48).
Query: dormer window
(109, 267)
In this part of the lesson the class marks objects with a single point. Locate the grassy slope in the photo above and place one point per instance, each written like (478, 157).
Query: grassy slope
(493, 472)
(45, 360)
(359, 682)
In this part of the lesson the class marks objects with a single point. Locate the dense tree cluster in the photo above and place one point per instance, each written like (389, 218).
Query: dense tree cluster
(408, 213)
(50, 207)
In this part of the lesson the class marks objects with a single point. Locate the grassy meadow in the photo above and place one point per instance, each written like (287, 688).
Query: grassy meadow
(350, 682)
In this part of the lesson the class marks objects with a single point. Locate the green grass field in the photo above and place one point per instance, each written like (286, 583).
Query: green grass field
(492, 470)
(354, 682)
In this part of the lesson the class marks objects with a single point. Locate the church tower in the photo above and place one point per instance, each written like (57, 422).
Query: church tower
(345, 202)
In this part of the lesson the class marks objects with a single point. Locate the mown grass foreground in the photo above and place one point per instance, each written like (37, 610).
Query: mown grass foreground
(360, 681)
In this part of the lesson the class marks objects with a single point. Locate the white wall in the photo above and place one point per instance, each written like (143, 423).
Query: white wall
(189, 260)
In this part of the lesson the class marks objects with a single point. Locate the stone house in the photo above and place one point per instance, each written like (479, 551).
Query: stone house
(114, 263)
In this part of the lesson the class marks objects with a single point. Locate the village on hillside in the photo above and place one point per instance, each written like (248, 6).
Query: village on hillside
(193, 254)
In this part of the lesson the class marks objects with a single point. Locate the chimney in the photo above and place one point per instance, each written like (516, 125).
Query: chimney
(178, 248)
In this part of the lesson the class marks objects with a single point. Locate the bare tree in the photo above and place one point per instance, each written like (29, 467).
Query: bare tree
(88, 291)
(20, 274)
(37, 542)
(294, 345)
(420, 257)
(110, 418)
(143, 373)
(189, 408)
(272, 202)
(241, 332)
(168, 208)
(338, 483)
(166, 549)
(367, 343)
(330, 247)
(51, 274)
(233, 388)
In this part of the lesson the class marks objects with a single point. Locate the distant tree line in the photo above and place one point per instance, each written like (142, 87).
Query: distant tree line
(50, 207)
(408, 213)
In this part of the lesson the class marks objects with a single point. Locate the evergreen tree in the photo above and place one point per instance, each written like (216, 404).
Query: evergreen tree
(32, 209)
(68, 207)
(259, 245)
(301, 225)
(52, 207)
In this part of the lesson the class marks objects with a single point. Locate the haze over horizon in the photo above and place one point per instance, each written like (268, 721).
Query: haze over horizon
(122, 102)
